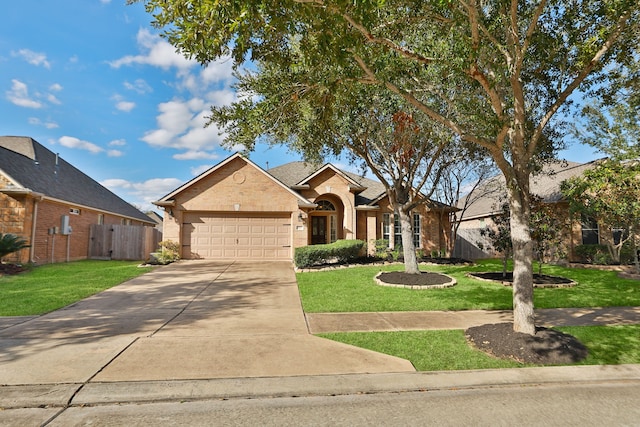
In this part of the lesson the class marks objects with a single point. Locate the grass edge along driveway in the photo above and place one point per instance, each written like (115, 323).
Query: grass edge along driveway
(49, 287)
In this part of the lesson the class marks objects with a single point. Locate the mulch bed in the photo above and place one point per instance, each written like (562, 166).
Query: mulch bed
(10, 269)
(423, 279)
(539, 280)
(546, 347)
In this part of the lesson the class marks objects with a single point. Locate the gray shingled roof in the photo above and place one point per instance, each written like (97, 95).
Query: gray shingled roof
(34, 167)
(545, 184)
(293, 173)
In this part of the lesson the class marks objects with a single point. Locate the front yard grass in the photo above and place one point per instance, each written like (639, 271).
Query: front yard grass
(448, 349)
(354, 290)
(50, 287)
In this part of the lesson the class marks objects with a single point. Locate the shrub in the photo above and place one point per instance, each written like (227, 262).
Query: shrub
(342, 251)
(168, 252)
(10, 243)
(594, 254)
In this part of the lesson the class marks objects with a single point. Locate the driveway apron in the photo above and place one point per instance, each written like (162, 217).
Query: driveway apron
(188, 320)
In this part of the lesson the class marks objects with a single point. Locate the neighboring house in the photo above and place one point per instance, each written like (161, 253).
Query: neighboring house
(545, 185)
(52, 204)
(156, 218)
(238, 210)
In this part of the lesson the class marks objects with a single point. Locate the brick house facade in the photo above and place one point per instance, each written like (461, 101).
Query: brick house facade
(38, 189)
(238, 210)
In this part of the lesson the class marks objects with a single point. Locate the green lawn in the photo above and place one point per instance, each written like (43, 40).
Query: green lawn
(448, 349)
(353, 290)
(50, 287)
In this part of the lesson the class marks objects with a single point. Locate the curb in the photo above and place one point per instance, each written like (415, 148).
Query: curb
(103, 393)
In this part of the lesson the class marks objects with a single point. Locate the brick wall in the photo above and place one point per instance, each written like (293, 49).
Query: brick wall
(16, 216)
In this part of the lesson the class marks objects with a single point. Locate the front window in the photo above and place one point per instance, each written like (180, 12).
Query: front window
(100, 219)
(589, 231)
(397, 231)
(386, 227)
(325, 205)
(416, 230)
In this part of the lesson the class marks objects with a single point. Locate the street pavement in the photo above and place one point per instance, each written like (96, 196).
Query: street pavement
(198, 330)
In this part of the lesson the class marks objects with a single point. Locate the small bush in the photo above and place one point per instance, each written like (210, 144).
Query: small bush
(341, 251)
(168, 252)
(594, 254)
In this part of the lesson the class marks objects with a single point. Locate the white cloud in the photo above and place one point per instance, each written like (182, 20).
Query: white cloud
(139, 85)
(142, 193)
(71, 142)
(195, 155)
(52, 99)
(117, 143)
(156, 52)
(48, 124)
(33, 58)
(195, 171)
(115, 153)
(56, 87)
(19, 95)
(181, 126)
(125, 106)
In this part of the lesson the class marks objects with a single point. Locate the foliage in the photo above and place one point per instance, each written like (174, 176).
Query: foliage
(612, 129)
(500, 235)
(10, 243)
(600, 254)
(168, 252)
(342, 251)
(610, 193)
(548, 230)
(496, 76)
(49, 287)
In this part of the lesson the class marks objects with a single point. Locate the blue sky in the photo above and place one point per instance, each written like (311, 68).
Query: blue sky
(93, 81)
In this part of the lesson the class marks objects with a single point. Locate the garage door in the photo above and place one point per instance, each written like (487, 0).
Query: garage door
(228, 236)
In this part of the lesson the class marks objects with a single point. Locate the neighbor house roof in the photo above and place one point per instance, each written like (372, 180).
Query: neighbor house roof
(545, 184)
(32, 168)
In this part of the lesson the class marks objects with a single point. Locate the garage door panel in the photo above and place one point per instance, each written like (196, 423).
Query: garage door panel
(226, 236)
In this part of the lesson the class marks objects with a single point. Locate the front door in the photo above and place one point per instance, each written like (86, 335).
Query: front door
(318, 230)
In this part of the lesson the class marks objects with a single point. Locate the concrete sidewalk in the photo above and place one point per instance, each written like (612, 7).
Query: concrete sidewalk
(433, 320)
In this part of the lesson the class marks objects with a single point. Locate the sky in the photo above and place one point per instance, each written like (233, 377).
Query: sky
(93, 81)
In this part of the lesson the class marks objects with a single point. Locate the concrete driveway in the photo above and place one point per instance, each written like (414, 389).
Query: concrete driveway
(188, 320)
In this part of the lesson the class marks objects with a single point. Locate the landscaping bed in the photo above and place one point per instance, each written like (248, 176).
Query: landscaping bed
(546, 347)
(539, 280)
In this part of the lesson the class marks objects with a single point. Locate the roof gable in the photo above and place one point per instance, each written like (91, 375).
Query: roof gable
(168, 199)
(32, 167)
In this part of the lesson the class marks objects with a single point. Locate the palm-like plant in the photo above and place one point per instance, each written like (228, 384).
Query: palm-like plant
(10, 243)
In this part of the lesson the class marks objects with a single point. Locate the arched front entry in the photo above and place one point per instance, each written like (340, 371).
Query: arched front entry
(325, 221)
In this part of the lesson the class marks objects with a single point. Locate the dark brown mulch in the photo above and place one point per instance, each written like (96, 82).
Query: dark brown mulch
(538, 279)
(546, 347)
(423, 279)
(9, 269)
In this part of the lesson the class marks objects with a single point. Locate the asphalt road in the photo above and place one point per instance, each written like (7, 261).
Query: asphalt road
(585, 404)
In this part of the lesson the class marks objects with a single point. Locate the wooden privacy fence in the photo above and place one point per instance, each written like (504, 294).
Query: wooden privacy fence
(124, 242)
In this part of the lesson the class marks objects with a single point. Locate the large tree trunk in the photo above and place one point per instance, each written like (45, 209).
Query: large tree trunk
(408, 249)
(523, 315)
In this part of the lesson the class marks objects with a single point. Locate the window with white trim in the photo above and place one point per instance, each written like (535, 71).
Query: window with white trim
(100, 219)
(416, 231)
(590, 235)
(386, 227)
(397, 231)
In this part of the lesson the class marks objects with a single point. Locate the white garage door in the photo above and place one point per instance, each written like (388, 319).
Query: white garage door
(228, 236)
